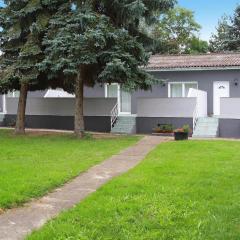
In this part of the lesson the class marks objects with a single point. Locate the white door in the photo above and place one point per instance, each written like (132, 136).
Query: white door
(124, 98)
(125, 102)
(220, 89)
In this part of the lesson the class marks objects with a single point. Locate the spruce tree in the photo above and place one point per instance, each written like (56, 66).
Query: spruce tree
(227, 37)
(100, 41)
(233, 41)
(219, 41)
(23, 24)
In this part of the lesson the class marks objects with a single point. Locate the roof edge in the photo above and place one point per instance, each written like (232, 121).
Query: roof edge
(189, 69)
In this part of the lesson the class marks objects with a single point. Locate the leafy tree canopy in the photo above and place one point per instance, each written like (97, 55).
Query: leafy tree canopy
(196, 46)
(176, 31)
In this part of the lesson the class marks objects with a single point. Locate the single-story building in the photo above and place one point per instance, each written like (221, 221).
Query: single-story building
(200, 90)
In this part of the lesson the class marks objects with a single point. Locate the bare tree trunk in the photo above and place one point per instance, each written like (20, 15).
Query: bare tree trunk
(20, 123)
(79, 118)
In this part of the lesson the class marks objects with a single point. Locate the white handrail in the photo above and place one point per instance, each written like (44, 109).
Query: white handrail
(195, 117)
(114, 114)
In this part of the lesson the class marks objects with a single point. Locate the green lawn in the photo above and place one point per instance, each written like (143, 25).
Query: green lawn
(182, 190)
(32, 165)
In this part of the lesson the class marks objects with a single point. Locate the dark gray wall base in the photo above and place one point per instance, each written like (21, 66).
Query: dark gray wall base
(95, 123)
(229, 128)
(146, 124)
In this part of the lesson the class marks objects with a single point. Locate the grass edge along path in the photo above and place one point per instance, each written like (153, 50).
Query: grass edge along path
(182, 190)
(32, 165)
(15, 224)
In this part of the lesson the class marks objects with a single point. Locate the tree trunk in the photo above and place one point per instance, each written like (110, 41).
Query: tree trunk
(79, 118)
(20, 123)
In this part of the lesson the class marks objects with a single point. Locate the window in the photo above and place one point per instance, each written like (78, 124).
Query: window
(111, 90)
(176, 89)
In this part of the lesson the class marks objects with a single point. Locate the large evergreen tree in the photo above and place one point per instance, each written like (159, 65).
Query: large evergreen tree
(227, 37)
(23, 24)
(100, 41)
(234, 31)
(219, 40)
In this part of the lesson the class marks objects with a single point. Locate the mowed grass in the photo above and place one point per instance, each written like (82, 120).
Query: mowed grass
(182, 190)
(32, 165)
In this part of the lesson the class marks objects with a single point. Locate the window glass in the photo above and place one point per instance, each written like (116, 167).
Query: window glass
(112, 91)
(188, 86)
(176, 89)
(125, 101)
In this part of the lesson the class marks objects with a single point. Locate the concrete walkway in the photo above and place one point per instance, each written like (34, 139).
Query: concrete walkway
(17, 223)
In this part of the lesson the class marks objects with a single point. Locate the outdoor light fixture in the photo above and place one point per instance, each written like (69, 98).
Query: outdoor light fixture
(163, 83)
(236, 82)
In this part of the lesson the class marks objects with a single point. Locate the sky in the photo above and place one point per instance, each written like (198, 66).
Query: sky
(207, 12)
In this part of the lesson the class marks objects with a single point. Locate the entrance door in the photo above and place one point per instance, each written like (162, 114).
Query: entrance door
(125, 102)
(220, 89)
(124, 98)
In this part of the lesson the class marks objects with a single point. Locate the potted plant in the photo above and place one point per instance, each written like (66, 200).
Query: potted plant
(182, 133)
(163, 129)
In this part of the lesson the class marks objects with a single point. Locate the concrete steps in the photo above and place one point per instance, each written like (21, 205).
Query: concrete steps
(1, 119)
(206, 127)
(125, 125)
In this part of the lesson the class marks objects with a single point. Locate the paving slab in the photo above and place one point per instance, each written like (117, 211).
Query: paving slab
(15, 224)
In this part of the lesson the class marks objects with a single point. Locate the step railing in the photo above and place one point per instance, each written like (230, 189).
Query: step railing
(114, 115)
(195, 117)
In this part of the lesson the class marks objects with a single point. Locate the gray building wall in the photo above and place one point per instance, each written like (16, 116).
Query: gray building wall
(229, 128)
(58, 113)
(205, 81)
(166, 107)
(96, 92)
(229, 121)
(63, 106)
(92, 123)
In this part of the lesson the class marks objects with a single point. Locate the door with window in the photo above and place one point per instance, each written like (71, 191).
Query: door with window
(124, 98)
(180, 89)
(220, 89)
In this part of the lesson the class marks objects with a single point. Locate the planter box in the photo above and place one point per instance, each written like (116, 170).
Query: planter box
(163, 134)
(181, 136)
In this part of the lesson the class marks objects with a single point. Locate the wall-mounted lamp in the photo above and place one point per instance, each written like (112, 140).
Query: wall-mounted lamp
(235, 82)
(163, 83)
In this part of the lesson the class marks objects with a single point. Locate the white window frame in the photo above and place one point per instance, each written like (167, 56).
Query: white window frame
(106, 88)
(4, 105)
(183, 87)
(118, 97)
(118, 93)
